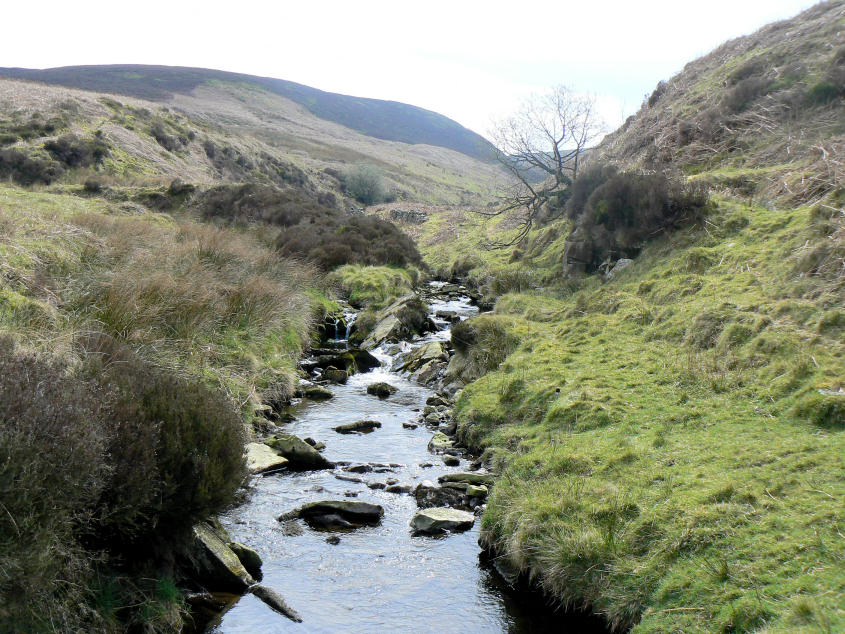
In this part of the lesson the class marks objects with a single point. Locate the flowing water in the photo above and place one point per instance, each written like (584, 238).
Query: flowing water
(380, 578)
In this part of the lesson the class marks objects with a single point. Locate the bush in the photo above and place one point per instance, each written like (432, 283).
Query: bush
(75, 152)
(616, 213)
(28, 170)
(364, 184)
(824, 92)
(745, 92)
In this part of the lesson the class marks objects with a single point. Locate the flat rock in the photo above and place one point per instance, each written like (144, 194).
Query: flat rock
(261, 458)
(275, 601)
(352, 512)
(428, 496)
(398, 488)
(300, 455)
(477, 479)
(358, 427)
(438, 520)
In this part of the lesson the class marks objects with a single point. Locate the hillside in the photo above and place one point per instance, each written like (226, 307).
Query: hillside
(388, 120)
(670, 438)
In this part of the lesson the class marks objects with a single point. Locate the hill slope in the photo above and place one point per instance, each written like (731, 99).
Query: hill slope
(388, 120)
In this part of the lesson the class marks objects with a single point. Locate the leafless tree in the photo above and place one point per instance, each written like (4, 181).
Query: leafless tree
(541, 146)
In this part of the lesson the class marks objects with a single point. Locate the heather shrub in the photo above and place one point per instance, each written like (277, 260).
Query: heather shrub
(75, 152)
(28, 170)
(616, 213)
(744, 92)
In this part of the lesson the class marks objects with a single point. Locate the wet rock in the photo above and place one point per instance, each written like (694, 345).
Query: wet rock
(317, 393)
(391, 481)
(364, 360)
(382, 390)
(438, 520)
(447, 315)
(249, 558)
(358, 427)
(333, 514)
(428, 496)
(347, 478)
(430, 372)
(451, 461)
(477, 479)
(377, 485)
(398, 488)
(291, 528)
(335, 376)
(417, 358)
(404, 318)
(359, 468)
(432, 419)
(439, 443)
(350, 494)
(261, 458)
(449, 427)
(276, 602)
(476, 491)
(214, 564)
(436, 400)
(300, 455)
(429, 409)
(334, 540)
(319, 446)
(409, 425)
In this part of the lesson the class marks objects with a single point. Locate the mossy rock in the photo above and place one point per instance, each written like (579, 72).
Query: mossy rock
(301, 456)
(381, 389)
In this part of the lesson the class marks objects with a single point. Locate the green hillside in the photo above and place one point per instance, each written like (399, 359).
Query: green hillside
(389, 120)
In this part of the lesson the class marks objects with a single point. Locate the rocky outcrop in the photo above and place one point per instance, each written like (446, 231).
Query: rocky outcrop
(439, 520)
(411, 216)
(358, 427)
(261, 458)
(300, 455)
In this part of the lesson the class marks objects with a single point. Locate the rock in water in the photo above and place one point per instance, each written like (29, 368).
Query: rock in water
(439, 443)
(275, 601)
(317, 393)
(439, 520)
(261, 458)
(335, 376)
(217, 567)
(358, 427)
(431, 496)
(249, 558)
(478, 479)
(300, 454)
(382, 390)
(337, 514)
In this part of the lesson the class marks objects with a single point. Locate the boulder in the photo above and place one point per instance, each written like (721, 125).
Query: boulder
(417, 358)
(438, 520)
(409, 425)
(276, 602)
(249, 558)
(440, 443)
(478, 479)
(364, 361)
(261, 458)
(382, 390)
(334, 375)
(317, 393)
(621, 263)
(476, 491)
(397, 488)
(359, 427)
(437, 400)
(451, 461)
(337, 514)
(215, 565)
(404, 318)
(428, 496)
(300, 455)
(430, 372)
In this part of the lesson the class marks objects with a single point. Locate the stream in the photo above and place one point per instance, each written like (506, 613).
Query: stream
(376, 578)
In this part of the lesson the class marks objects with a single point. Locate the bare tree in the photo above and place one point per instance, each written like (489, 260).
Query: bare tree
(541, 146)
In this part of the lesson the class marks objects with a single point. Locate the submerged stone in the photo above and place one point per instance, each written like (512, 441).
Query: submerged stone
(382, 390)
(276, 602)
(358, 427)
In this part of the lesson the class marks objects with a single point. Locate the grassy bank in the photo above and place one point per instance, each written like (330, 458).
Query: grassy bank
(670, 442)
(137, 348)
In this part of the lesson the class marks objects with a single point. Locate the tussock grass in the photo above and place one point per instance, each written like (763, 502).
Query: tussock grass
(373, 287)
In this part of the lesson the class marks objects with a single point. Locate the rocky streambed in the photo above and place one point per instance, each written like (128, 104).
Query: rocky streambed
(366, 517)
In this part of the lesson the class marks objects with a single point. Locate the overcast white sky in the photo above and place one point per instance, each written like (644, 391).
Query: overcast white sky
(472, 61)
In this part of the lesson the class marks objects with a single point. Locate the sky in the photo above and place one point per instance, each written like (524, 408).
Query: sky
(471, 61)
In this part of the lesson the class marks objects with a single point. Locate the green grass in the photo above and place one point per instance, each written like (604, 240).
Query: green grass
(671, 443)
(373, 287)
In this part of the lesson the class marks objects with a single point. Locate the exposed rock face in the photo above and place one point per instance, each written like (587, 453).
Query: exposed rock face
(404, 318)
(408, 215)
(261, 458)
(437, 520)
(621, 263)
(275, 601)
(300, 455)
(215, 565)
(358, 427)
(382, 390)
